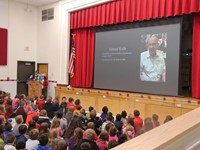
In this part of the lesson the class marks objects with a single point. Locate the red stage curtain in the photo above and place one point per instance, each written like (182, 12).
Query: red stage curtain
(196, 58)
(3, 46)
(121, 11)
(84, 61)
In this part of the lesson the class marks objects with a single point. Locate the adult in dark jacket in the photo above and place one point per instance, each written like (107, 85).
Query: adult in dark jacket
(21, 110)
(55, 104)
(95, 120)
(118, 124)
(48, 106)
(43, 118)
(63, 106)
(104, 113)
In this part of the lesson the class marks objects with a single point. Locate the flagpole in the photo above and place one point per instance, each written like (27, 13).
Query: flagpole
(72, 58)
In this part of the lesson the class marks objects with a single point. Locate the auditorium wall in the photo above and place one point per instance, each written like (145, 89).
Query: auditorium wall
(22, 32)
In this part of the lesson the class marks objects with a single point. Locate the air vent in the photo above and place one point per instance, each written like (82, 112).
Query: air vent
(48, 14)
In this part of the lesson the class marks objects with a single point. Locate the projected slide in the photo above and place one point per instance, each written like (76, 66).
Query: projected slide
(142, 59)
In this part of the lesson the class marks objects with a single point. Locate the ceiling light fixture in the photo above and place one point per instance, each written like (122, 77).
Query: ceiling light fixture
(28, 9)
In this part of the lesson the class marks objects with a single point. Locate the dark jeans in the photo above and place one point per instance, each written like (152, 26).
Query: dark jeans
(44, 92)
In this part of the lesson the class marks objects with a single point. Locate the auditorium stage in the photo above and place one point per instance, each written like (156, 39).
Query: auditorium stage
(117, 101)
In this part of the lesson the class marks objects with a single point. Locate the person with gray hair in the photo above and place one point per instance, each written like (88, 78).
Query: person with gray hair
(152, 65)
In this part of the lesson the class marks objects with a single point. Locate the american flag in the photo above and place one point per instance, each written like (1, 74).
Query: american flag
(72, 59)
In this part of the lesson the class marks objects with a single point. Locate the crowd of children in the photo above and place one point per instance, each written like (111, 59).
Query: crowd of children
(44, 124)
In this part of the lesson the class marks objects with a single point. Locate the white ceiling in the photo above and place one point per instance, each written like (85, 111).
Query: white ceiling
(38, 2)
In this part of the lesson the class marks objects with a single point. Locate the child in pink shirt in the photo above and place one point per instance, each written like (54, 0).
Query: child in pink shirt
(112, 134)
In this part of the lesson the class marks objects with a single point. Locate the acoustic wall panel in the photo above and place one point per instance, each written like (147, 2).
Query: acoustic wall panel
(3, 46)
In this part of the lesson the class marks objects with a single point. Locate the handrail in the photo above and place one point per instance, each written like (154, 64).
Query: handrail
(181, 133)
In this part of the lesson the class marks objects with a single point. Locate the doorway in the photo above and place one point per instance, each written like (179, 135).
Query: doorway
(24, 70)
(43, 69)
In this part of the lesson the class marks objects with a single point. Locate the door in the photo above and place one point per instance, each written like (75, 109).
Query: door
(43, 69)
(24, 70)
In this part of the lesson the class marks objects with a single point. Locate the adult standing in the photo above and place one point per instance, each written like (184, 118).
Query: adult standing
(45, 83)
